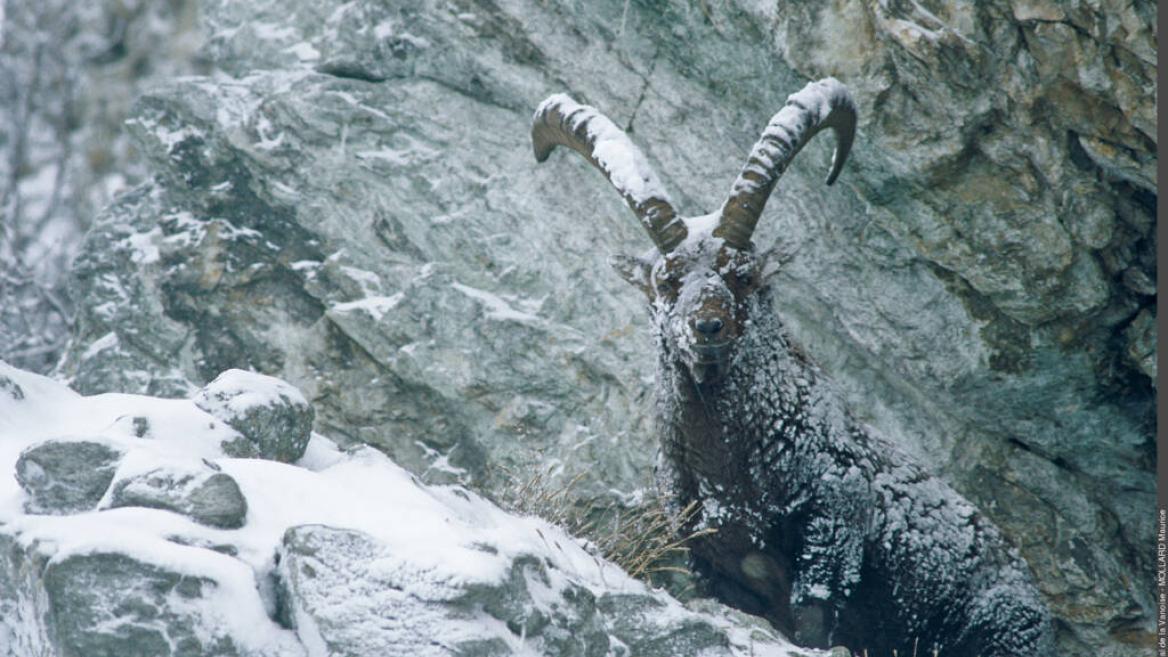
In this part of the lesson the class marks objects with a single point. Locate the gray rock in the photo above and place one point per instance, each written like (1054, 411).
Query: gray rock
(102, 604)
(203, 495)
(639, 623)
(340, 594)
(322, 566)
(66, 475)
(111, 605)
(274, 418)
(23, 609)
(969, 283)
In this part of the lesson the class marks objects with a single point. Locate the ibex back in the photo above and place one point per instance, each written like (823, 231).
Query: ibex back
(823, 527)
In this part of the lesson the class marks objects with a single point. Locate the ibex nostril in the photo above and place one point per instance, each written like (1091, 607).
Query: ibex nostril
(708, 326)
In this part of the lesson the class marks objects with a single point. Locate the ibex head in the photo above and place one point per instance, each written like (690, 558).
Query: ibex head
(705, 269)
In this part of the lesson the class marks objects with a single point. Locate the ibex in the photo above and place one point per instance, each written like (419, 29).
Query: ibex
(823, 527)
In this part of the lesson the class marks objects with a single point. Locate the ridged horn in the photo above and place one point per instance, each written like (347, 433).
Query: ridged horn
(819, 105)
(561, 121)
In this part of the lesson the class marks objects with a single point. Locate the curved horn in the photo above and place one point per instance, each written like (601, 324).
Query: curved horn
(819, 105)
(561, 121)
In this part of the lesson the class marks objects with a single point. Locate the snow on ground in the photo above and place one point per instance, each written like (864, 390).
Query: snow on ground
(435, 530)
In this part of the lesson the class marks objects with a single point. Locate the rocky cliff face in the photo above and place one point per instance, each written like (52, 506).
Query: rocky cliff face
(350, 202)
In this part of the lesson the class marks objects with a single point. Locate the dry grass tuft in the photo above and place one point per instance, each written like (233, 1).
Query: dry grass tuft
(641, 538)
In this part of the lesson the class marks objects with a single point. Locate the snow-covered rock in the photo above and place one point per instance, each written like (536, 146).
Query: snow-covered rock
(338, 578)
(340, 553)
(202, 494)
(106, 603)
(273, 416)
(543, 602)
(66, 475)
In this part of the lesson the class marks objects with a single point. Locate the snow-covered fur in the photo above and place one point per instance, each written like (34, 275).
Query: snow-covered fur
(824, 527)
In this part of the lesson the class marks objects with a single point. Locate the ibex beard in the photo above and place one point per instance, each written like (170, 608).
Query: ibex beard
(823, 527)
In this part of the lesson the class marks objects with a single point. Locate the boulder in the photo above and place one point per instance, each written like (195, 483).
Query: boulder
(204, 495)
(23, 620)
(105, 603)
(112, 605)
(66, 475)
(348, 594)
(273, 417)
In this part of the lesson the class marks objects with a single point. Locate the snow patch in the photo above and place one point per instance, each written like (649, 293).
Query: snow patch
(237, 391)
(376, 306)
(497, 308)
(304, 51)
(143, 246)
(272, 31)
(107, 341)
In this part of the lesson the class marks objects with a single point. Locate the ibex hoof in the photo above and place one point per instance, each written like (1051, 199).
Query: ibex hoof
(840, 651)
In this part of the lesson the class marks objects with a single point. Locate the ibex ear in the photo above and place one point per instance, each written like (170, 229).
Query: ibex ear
(634, 270)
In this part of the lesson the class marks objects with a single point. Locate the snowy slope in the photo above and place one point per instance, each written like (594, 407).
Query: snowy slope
(339, 553)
